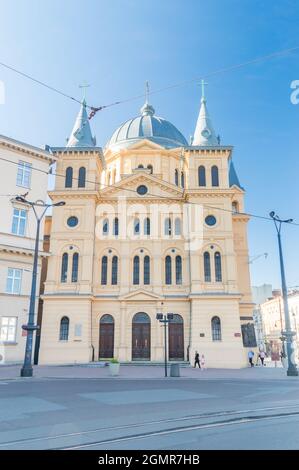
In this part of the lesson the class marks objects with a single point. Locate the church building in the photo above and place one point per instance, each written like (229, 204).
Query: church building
(152, 225)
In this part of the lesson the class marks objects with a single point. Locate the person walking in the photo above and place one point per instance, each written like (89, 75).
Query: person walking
(262, 357)
(250, 357)
(196, 360)
(202, 362)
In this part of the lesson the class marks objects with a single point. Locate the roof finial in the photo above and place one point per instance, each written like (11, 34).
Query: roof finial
(84, 85)
(147, 109)
(203, 83)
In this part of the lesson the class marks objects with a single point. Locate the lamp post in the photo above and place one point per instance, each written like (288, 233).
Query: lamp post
(27, 370)
(165, 319)
(288, 333)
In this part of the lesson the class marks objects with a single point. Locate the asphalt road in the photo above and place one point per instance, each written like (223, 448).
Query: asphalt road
(149, 414)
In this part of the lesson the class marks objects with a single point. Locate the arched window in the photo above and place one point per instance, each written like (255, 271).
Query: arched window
(176, 177)
(75, 267)
(82, 177)
(182, 179)
(116, 226)
(150, 167)
(235, 207)
(147, 226)
(64, 267)
(218, 270)
(178, 270)
(146, 270)
(69, 177)
(201, 176)
(140, 166)
(104, 270)
(215, 176)
(114, 270)
(105, 227)
(207, 266)
(167, 227)
(168, 270)
(216, 329)
(177, 226)
(136, 265)
(64, 329)
(136, 227)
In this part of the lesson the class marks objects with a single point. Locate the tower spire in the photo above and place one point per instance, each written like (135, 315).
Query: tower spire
(81, 135)
(204, 134)
(147, 109)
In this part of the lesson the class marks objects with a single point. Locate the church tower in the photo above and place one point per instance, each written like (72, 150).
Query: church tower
(68, 289)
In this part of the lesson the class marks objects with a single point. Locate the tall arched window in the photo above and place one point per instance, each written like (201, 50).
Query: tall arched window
(182, 179)
(75, 267)
(176, 177)
(104, 270)
(64, 267)
(114, 270)
(150, 167)
(218, 270)
(201, 176)
(105, 227)
(177, 226)
(178, 270)
(82, 177)
(216, 329)
(147, 226)
(235, 207)
(136, 227)
(167, 227)
(215, 176)
(168, 270)
(140, 166)
(146, 270)
(136, 266)
(64, 329)
(116, 226)
(69, 177)
(207, 266)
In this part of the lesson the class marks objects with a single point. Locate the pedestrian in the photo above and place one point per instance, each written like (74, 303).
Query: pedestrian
(202, 362)
(196, 361)
(250, 357)
(262, 357)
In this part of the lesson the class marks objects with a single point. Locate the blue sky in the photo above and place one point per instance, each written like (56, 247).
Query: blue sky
(116, 45)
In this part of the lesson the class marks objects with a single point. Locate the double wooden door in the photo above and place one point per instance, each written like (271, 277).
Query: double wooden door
(176, 341)
(141, 341)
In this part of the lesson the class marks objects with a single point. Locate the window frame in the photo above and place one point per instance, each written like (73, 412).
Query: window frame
(13, 279)
(24, 172)
(6, 340)
(17, 220)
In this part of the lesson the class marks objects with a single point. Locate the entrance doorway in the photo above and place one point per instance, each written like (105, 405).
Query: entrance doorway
(141, 337)
(106, 347)
(176, 338)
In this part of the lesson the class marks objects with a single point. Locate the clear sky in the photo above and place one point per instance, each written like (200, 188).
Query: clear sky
(116, 45)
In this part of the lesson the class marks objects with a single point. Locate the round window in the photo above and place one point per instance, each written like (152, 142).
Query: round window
(210, 220)
(142, 190)
(72, 221)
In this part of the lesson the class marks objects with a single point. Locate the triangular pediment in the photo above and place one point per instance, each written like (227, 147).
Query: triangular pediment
(141, 295)
(156, 187)
(146, 144)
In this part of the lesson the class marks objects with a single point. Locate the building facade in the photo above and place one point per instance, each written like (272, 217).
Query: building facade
(151, 225)
(23, 170)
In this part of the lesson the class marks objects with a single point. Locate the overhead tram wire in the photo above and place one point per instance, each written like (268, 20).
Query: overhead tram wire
(95, 109)
(104, 186)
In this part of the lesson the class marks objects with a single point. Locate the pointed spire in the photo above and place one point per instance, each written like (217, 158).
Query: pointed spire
(81, 134)
(204, 133)
(147, 109)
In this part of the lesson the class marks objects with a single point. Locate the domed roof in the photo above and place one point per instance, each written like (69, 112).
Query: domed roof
(147, 126)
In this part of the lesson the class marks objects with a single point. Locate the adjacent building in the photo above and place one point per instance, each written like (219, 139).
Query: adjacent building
(151, 225)
(24, 170)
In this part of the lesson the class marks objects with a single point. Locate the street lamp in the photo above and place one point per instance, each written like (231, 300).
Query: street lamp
(165, 319)
(288, 333)
(27, 370)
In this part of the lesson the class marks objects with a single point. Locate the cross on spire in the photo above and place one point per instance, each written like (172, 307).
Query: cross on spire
(203, 83)
(147, 91)
(84, 85)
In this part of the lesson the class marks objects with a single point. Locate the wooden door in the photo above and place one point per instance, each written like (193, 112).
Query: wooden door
(106, 349)
(141, 341)
(176, 341)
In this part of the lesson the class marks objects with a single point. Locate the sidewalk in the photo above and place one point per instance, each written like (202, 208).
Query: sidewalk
(91, 371)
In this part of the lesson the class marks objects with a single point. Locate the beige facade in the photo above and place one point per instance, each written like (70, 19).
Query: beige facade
(194, 266)
(23, 169)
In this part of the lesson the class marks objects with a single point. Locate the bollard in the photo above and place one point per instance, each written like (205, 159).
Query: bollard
(174, 370)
